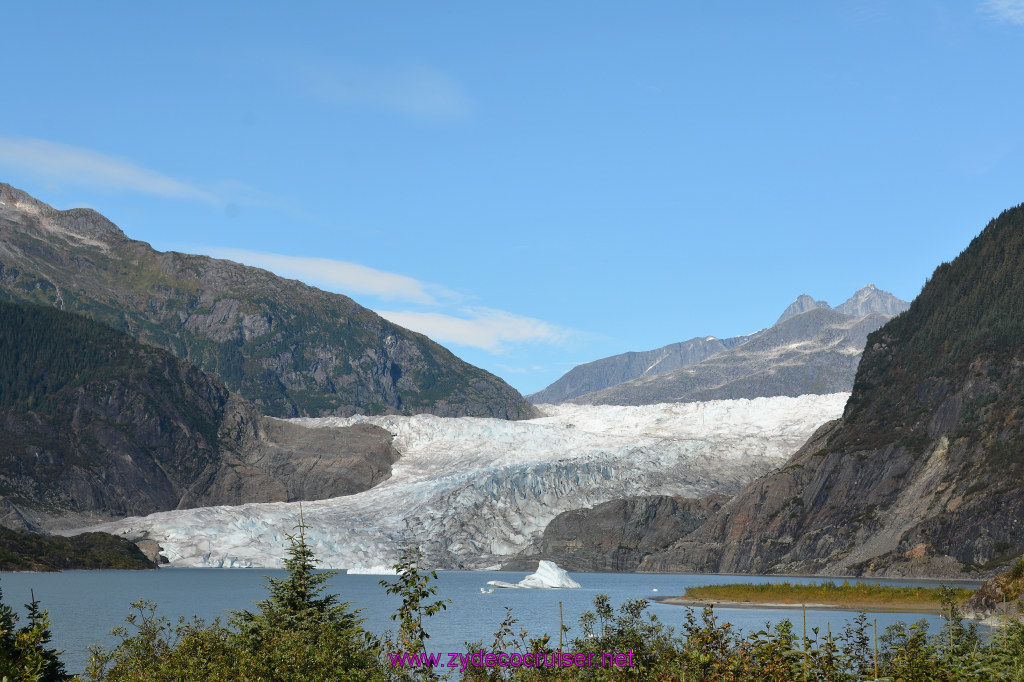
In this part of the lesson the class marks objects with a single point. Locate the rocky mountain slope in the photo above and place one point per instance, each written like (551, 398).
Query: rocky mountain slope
(600, 374)
(816, 351)
(472, 493)
(95, 425)
(615, 536)
(1000, 599)
(923, 474)
(291, 349)
(816, 354)
(867, 300)
(802, 304)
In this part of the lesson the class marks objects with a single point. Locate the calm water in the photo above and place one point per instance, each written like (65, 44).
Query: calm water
(85, 605)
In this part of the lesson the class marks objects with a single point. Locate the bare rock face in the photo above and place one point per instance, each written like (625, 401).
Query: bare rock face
(801, 305)
(617, 535)
(288, 462)
(1000, 597)
(290, 349)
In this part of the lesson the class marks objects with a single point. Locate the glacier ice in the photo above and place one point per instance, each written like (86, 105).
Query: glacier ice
(548, 576)
(470, 492)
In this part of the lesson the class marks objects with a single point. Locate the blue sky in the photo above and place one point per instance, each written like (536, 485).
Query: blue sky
(534, 185)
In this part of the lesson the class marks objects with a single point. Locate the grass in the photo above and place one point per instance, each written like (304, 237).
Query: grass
(861, 596)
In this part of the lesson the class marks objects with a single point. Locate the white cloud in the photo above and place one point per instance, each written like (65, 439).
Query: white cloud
(477, 327)
(65, 163)
(335, 275)
(419, 92)
(485, 328)
(1005, 10)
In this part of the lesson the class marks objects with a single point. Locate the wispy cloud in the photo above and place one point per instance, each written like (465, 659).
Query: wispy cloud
(485, 328)
(447, 321)
(418, 91)
(1005, 10)
(334, 275)
(65, 163)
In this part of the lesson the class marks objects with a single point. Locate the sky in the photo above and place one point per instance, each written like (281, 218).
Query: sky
(533, 185)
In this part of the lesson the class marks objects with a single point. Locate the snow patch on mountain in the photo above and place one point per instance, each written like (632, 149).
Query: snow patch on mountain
(470, 492)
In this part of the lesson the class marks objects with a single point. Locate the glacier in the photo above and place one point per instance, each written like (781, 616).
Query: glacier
(471, 492)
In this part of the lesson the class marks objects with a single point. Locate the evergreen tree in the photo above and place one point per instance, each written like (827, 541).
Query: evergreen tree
(297, 633)
(295, 602)
(23, 652)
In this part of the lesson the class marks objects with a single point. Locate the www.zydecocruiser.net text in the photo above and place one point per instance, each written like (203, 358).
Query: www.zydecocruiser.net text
(501, 659)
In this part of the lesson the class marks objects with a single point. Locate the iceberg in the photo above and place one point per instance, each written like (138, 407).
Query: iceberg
(372, 570)
(548, 576)
(470, 492)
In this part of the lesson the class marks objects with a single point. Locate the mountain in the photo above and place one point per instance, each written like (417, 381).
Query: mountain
(872, 300)
(600, 374)
(867, 300)
(473, 493)
(812, 348)
(813, 352)
(290, 349)
(924, 472)
(95, 425)
(801, 305)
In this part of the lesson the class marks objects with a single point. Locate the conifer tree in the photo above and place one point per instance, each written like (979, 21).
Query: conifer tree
(23, 652)
(295, 602)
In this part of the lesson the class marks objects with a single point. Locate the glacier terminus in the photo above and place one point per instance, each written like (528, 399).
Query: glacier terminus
(471, 492)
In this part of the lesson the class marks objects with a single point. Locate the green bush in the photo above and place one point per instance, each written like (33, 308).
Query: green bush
(295, 634)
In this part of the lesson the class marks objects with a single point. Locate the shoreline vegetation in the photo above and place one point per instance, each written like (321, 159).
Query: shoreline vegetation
(88, 551)
(827, 595)
(300, 633)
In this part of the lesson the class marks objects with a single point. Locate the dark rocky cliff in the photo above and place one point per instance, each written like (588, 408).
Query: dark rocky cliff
(617, 535)
(291, 349)
(924, 473)
(94, 425)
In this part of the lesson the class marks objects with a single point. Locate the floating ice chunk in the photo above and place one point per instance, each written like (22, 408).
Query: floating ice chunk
(548, 576)
(372, 570)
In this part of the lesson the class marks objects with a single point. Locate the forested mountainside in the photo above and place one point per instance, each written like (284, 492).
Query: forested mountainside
(95, 425)
(923, 474)
(32, 552)
(291, 349)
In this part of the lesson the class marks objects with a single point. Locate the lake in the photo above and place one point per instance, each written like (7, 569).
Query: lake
(85, 605)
